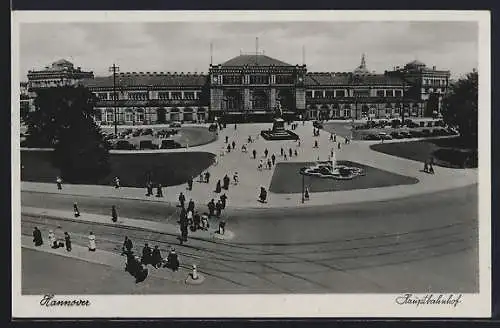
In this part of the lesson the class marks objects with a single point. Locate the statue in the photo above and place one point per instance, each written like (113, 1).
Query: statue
(278, 111)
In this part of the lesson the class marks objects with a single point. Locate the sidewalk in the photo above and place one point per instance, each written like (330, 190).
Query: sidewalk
(245, 194)
(110, 259)
(171, 228)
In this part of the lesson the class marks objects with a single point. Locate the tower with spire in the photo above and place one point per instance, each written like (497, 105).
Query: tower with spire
(361, 69)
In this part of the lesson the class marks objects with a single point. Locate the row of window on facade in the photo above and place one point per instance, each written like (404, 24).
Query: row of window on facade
(150, 115)
(257, 79)
(435, 82)
(161, 95)
(357, 93)
(348, 111)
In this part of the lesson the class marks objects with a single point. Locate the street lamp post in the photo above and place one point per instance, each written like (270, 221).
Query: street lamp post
(115, 69)
(302, 188)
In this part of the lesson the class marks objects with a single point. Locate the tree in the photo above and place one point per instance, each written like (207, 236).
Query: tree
(63, 119)
(460, 106)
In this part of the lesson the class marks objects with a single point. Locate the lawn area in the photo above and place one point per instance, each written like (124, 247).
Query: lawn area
(287, 179)
(447, 152)
(340, 128)
(167, 168)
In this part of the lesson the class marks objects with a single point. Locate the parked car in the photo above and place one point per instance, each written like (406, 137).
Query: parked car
(439, 132)
(426, 132)
(415, 134)
(405, 134)
(124, 145)
(147, 132)
(372, 137)
(147, 144)
(397, 135)
(137, 132)
(128, 131)
(384, 136)
(169, 144)
(175, 124)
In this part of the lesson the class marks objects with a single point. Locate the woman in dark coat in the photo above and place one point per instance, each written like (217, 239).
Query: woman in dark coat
(37, 237)
(156, 258)
(218, 187)
(173, 260)
(67, 241)
(114, 214)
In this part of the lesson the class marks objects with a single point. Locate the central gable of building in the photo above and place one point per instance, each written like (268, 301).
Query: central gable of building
(254, 60)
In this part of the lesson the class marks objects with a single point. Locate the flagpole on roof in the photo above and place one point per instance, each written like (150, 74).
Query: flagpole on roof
(211, 52)
(256, 48)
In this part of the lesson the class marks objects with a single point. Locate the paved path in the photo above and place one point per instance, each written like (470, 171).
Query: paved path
(171, 228)
(245, 194)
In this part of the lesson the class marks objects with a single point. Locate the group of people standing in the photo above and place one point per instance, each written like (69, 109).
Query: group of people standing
(59, 242)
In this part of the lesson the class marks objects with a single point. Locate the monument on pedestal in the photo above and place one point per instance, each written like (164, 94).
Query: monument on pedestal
(278, 131)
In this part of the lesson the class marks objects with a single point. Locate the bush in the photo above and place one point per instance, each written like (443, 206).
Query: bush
(124, 145)
(147, 144)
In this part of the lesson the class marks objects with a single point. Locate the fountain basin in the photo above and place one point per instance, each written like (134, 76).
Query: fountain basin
(326, 170)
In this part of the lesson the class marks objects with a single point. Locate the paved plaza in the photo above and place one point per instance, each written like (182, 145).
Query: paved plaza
(245, 194)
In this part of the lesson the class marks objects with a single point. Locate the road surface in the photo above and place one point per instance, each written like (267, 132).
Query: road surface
(418, 244)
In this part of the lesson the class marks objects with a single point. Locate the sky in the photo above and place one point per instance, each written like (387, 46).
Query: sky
(185, 46)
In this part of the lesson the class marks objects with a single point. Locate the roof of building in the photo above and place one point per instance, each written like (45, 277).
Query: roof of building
(415, 63)
(254, 60)
(152, 79)
(330, 79)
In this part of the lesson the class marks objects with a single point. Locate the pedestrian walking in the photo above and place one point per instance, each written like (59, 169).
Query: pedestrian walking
(52, 239)
(261, 165)
(431, 168)
(290, 152)
(254, 153)
(426, 167)
(263, 195)
(190, 205)
(156, 258)
(335, 138)
(149, 188)
(218, 208)
(127, 246)
(295, 153)
(184, 231)
(282, 151)
(269, 164)
(76, 211)
(228, 148)
(266, 152)
(92, 245)
(235, 126)
(250, 140)
(223, 200)
(67, 241)
(218, 187)
(236, 179)
(227, 139)
(315, 143)
(190, 184)
(172, 260)
(226, 182)
(233, 144)
(146, 254)
(211, 207)
(159, 191)
(114, 214)
(59, 183)
(331, 136)
(273, 159)
(306, 193)
(207, 177)
(117, 182)
(285, 157)
(37, 237)
(182, 199)
(299, 142)
(338, 145)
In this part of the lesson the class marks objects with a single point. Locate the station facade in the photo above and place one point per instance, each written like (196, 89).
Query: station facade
(249, 87)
